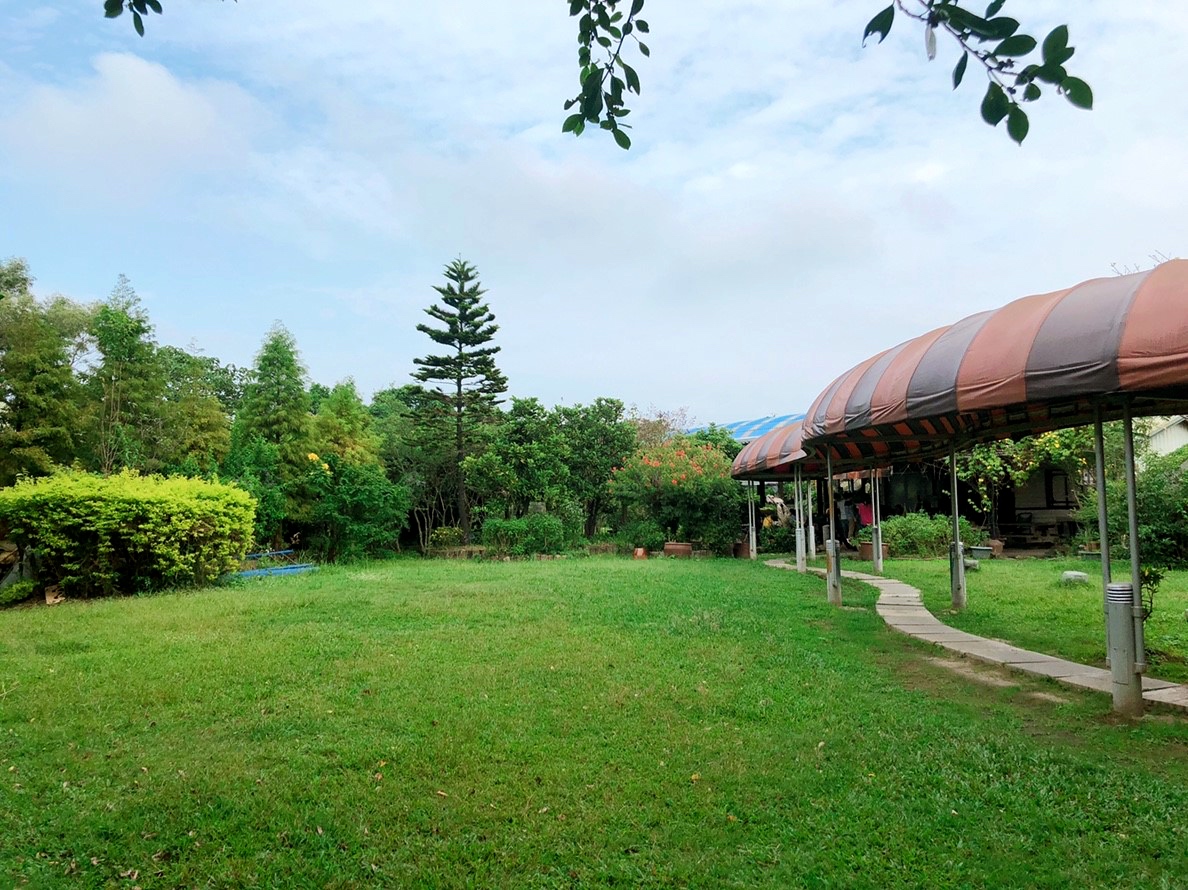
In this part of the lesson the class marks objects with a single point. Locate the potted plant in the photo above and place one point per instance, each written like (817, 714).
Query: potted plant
(866, 545)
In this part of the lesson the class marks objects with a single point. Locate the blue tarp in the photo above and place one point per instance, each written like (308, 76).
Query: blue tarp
(746, 430)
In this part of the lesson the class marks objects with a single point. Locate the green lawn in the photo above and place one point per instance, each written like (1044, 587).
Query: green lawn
(1022, 601)
(572, 723)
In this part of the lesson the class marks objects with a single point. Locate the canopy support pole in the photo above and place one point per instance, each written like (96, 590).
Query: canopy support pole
(876, 531)
(812, 526)
(956, 551)
(800, 563)
(1103, 525)
(1124, 603)
(832, 551)
(752, 545)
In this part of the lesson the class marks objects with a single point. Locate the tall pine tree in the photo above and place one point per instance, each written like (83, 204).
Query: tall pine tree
(469, 383)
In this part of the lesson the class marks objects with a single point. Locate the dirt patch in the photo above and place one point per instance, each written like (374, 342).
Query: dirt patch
(1050, 697)
(975, 672)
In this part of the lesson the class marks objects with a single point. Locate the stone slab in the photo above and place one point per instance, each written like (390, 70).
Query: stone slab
(1176, 696)
(1096, 682)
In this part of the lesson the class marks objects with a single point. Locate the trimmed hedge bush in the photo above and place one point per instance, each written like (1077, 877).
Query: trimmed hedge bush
(95, 535)
(918, 534)
(534, 533)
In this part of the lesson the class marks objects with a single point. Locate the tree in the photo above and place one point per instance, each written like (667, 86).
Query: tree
(126, 386)
(275, 408)
(525, 461)
(342, 426)
(598, 438)
(473, 382)
(15, 279)
(994, 41)
(195, 432)
(38, 391)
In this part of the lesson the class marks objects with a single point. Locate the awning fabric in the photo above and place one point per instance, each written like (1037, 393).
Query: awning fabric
(779, 454)
(1039, 363)
(749, 430)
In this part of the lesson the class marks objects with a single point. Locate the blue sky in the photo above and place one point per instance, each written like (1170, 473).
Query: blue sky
(792, 203)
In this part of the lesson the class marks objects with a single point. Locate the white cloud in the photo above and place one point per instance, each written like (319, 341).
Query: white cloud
(792, 202)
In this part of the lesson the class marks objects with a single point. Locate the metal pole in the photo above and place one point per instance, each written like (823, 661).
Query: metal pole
(754, 553)
(956, 552)
(800, 562)
(1140, 646)
(876, 532)
(832, 551)
(812, 526)
(1103, 525)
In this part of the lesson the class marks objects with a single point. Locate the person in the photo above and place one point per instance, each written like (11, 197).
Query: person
(848, 520)
(865, 513)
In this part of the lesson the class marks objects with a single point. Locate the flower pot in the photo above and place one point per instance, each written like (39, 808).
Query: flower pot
(866, 551)
(640, 553)
(981, 551)
(680, 549)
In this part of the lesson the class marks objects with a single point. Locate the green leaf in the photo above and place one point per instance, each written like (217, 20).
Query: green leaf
(636, 7)
(993, 8)
(155, 7)
(643, 48)
(571, 123)
(1019, 45)
(1031, 92)
(1078, 92)
(113, 8)
(632, 78)
(880, 24)
(959, 71)
(994, 105)
(1054, 44)
(576, 6)
(1017, 123)
(137, 23)
(140, 6)
(1004, 27)
(622, 139)
(641, 26)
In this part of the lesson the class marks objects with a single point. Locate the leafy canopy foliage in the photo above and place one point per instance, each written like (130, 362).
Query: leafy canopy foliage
(38, 391)
(686, 488)
(608, 28)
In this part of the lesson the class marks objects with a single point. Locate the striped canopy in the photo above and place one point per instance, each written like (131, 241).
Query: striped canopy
(1039, 363)
(779, 454)
(771, 456)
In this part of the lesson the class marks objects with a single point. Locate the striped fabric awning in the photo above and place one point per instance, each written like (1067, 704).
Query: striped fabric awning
(777, 455)
(1039, 363)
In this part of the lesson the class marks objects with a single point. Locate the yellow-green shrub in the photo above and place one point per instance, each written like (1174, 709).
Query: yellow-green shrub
(127, 533)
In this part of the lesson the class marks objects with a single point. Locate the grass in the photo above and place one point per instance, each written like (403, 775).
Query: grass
(1023, 602)
(597, 722)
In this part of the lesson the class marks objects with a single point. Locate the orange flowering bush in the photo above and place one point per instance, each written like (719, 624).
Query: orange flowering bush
(686, 487)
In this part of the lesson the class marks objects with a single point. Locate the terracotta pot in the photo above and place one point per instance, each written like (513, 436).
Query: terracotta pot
(640, 553)
(680, 549)
(866, 551)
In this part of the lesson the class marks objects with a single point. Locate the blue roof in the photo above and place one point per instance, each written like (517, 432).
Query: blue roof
(746, 430)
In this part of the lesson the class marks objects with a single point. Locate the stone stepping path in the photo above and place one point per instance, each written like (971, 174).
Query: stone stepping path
(900, 606)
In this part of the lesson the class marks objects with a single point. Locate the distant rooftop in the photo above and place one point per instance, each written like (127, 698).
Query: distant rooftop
(746, 430)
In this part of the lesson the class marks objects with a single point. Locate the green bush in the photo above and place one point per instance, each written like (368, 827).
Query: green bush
(918, 534)
(356, 511)
(534, 533)
(777, 539)
(1162, 495)
(645, 533)
(17, 591)
(445, 536)
(127, 533)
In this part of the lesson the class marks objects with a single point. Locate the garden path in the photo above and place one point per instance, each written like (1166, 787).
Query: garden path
(900, 606)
